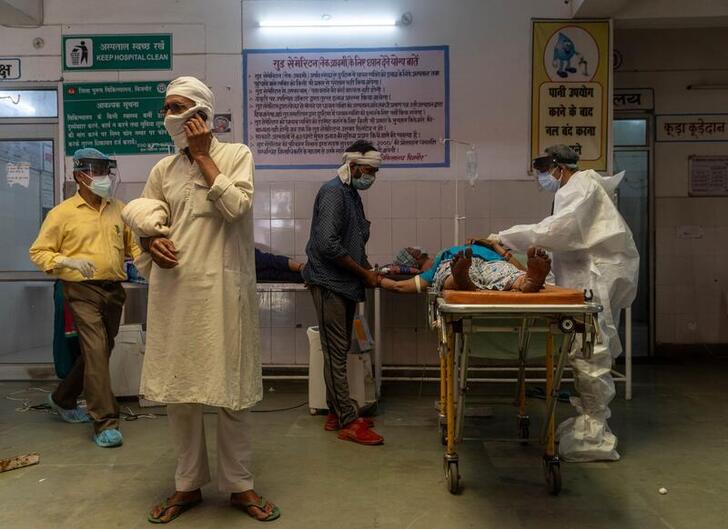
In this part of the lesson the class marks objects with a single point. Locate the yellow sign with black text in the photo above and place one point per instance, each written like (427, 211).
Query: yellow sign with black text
(571, 79)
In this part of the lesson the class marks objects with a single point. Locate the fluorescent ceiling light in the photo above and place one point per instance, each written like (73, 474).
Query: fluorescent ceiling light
(330, 22)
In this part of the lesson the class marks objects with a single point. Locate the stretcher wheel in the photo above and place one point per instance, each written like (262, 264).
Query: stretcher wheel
(567, 325)
(452, 476)
(552, 473)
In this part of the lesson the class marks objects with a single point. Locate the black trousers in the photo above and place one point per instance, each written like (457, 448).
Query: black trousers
(335, 315)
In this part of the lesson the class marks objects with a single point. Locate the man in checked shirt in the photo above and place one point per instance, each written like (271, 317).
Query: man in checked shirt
(337, 273)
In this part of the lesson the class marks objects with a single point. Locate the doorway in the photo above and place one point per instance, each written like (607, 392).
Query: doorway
(632, 153)
(28, 191)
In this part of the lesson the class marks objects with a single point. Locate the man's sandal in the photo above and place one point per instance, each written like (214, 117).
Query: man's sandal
(260, 504)
(183, 506)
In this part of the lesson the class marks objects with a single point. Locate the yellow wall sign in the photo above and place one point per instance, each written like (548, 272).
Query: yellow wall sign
(570, 90)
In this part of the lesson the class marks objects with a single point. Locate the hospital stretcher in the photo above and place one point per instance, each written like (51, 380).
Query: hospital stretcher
(552, 313)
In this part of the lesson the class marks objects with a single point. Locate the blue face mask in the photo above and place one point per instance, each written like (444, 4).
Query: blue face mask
(364, 181)
(548, 182)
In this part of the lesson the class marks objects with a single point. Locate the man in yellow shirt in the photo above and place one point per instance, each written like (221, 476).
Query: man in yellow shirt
(83, 242)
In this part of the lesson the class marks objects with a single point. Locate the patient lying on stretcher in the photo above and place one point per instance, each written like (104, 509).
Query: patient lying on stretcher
(481, 265)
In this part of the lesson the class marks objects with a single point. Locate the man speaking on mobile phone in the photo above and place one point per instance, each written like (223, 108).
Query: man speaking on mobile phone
(203, 346)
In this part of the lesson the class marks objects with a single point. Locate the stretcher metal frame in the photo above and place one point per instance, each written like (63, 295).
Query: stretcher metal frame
(456, 323)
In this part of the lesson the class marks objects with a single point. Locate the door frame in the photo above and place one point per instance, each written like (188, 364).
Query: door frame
(25, 129)
(651, 225)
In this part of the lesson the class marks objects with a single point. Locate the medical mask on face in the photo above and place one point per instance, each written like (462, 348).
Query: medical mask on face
(175, 125)
(547, 182)
(100, 185)
(364, 181)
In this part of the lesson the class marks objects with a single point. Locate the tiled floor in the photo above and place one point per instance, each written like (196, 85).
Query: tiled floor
(673, 435)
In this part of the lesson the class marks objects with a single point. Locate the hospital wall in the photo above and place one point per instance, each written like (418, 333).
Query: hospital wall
(206, 43)
(691, 276)
(489, 103)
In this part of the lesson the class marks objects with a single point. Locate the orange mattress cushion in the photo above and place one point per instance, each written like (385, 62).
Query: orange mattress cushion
(549, 295)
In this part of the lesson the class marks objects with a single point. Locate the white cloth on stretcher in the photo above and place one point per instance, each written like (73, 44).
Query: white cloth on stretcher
(146, 217)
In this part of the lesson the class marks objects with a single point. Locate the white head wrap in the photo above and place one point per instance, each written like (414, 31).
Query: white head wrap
(194, 89)
(370, 158)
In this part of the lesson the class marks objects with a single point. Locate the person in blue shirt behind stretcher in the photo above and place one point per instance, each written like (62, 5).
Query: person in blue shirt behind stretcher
(481, 265)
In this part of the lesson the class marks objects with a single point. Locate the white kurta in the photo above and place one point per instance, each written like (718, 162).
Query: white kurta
(203, 344)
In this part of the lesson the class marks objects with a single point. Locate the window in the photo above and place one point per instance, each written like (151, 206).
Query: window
(28, 104)
(630, 132)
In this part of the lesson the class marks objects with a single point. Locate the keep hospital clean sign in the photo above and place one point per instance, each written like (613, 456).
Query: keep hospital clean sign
(117, 52)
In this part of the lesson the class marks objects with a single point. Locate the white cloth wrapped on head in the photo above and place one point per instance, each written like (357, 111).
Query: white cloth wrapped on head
(195, 90)
(370, 158)
(146, 217)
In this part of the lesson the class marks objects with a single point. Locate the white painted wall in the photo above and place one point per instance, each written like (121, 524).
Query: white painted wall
(489, 105)
(206, 43)
(691, 275)
(489, 66)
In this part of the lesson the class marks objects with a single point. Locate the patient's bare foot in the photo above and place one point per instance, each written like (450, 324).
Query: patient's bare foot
(460, 268)
(539, 266)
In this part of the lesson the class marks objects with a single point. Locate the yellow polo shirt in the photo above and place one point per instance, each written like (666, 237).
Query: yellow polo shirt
(75, 229)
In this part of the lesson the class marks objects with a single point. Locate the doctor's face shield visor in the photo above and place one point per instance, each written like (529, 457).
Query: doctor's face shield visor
(544, 164)
(94, 167)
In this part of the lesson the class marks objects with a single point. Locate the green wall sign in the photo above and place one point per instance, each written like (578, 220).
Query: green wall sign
(117, 52)
(116, 118)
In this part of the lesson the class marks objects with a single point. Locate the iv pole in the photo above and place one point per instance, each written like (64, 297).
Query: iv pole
(472, 166)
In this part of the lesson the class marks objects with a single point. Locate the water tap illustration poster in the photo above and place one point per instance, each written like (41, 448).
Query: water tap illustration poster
(571, 86)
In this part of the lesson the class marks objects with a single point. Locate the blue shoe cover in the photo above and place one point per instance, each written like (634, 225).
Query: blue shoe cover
(75, 415)
(109, 438)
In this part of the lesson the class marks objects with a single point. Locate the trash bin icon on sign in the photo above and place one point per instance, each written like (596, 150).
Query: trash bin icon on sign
(79, 53)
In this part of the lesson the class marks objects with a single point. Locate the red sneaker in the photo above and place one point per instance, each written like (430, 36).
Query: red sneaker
(332, 422)
(359, 431)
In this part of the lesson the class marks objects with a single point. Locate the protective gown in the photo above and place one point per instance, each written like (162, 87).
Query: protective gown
(592, 248)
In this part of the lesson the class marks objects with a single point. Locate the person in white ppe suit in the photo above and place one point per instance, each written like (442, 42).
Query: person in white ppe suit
(203, 345)
(592, 249)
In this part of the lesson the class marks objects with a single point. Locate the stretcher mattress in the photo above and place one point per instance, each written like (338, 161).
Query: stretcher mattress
(549, 295)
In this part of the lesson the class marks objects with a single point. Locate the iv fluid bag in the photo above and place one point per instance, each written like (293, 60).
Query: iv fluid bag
(471, 165)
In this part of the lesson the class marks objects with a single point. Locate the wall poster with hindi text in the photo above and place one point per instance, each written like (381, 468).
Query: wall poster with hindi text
(303, 107)
(570, 88)
(708, 176)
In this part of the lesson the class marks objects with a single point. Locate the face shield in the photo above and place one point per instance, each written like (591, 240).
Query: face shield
(103, 173)
(544, 164)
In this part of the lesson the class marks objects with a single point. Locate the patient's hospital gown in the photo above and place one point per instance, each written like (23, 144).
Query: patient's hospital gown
(203, 344)
(592, 249)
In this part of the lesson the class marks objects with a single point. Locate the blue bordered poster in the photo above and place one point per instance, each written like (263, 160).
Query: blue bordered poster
(303, 107)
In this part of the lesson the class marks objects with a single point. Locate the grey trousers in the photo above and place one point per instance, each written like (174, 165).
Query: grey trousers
(335, 315)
